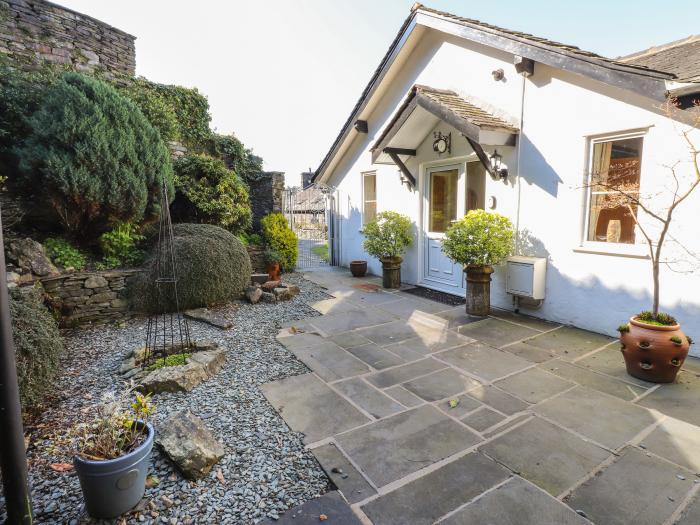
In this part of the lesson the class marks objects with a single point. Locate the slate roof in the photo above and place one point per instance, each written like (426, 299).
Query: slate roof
(682, 58)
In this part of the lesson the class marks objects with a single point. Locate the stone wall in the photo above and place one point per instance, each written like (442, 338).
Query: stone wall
(89, 297)
(266, 193)
(257, 259)
(34, 32)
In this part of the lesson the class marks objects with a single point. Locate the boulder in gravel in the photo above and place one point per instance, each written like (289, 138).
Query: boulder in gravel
(269, 286)
(187, 441)
(253, 294)
(207, 316)
(268, 297)
(178, 378)
(283, 294)
(29, 255)
(212, 361)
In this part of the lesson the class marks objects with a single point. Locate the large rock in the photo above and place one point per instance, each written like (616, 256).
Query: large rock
(212, 361)
(29, 255)
(253, 294)
(207, 316)
(189, 444)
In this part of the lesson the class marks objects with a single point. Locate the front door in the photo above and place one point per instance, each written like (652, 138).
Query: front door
(449, 194)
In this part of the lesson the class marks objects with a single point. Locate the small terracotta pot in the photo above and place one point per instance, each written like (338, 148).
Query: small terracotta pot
(391, 272)
(358, 268)
(649, 352)
(478, 290)
(273, 271)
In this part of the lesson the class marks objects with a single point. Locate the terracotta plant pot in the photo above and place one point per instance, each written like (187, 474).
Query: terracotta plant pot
(273, 271)
(650, 351)
(478, 290)
(358, 268)
(391, 272)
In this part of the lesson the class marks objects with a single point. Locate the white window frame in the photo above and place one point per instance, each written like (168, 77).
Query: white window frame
(365, 174)
(608, 248)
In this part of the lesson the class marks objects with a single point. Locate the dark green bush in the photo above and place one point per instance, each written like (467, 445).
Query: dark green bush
(154, 106)
(279, 237)
(92, 158)
(212, 267)
(38, 345)
(208, 192)
(119, 246)
(236, 156)
(64, 254)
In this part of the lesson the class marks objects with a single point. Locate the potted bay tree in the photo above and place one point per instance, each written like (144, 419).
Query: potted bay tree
(387, 238)
(479, 241)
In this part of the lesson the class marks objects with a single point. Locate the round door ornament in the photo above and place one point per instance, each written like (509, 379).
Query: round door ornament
(492, 202)
(442, 143)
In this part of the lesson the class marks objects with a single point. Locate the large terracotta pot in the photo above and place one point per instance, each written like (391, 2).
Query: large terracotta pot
(391, 272)
(650, 351)
(358, 268)
(478, 290)
(273, 271)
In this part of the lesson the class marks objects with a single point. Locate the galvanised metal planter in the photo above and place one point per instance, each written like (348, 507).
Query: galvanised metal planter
(114, 486)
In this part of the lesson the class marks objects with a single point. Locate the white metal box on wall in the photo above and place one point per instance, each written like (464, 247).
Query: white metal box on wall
(525, 276)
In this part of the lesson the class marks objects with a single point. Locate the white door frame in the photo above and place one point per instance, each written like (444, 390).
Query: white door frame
(423, 169)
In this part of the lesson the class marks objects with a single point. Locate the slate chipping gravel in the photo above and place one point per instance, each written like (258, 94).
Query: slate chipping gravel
(266, 469)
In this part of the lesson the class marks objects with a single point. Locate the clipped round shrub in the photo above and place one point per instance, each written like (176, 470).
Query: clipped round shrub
(92, 158)
(388, 235)
(38, 345)
(480, 238)
(212, 266)
(208, 192)
(280, 238)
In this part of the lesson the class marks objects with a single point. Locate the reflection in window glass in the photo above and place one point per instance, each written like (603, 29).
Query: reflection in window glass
(443, 199)
(369, 190)
(615, 169)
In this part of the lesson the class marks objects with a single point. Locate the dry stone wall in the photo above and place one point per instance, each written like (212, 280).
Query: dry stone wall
(266, 194)
(89, 297)
(35, 32)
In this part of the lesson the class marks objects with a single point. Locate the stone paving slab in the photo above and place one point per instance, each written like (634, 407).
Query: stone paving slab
(403, 373)
(680, 399)
(375, 356)
(570, 343)
(516, 502)
(293, 341)
(421, 346)
(333, 306)
(496, 332)
(593, 380)
(545, 455)
(403, 396)
(309, 406)
(464, 405)
(607, 420)
(483, 361)
(437, 493)
(344, 322)
(392, 448)
(440, 385)
(330, 361)
(609, 361)
(529, 352)
(457, 317)
(368, 398)
(331, 505)
(343, 474)
(397, 331)
(407, 308)
(349, 339)
(635, 490)
(495, 398)
(524, 320)
(482, 419)
(676, 441)
(507, 426)
(691, 514)
(533, 385)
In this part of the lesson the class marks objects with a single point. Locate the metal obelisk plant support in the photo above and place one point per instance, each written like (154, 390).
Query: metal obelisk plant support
(168, 331)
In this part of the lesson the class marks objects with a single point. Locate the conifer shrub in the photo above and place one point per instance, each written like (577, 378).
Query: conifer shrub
(212, 267)
(208, 192)
(92, 158)
(279, 237)
(236, 156)
(38, 345)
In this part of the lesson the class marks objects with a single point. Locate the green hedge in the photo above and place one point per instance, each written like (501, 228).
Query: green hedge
(279, 237)
(212, 267)
(38, 345)
(236, 156)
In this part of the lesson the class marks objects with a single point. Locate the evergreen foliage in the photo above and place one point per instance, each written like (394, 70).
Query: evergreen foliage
(387, 235)
(480, 238)
(236, 156)
(278, 236)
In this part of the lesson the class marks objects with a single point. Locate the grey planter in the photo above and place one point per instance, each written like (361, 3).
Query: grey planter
(114, 486)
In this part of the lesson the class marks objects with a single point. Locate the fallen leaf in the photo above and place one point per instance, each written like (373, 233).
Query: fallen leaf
(220, 476)
(322, 517)
(61, 467)
(454, 403)
(152, 481)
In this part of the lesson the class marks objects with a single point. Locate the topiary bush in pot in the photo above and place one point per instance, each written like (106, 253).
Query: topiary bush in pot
(479, 241)
(278, 236)
(387, 238)
(38, 345)
(212, 267)
(92, 158)
(207, 191)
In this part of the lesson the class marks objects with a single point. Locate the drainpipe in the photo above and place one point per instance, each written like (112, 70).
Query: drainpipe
(517, 160)
(13, 460)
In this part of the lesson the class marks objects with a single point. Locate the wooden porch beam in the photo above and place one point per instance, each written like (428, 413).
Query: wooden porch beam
(400, 151)
(483, 157)
(404, 169)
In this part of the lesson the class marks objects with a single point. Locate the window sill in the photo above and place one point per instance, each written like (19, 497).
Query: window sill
(634, 251)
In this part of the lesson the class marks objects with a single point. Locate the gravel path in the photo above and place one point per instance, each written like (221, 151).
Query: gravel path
(266, 469)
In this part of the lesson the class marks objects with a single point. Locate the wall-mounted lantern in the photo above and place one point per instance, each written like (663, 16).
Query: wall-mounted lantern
(497, 171)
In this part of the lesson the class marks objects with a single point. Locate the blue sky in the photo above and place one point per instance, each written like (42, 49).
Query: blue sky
(284, 74)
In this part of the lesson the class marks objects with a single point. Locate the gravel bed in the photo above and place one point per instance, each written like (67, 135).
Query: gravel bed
(266, 469)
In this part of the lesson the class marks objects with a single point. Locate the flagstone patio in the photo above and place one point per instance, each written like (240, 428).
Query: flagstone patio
(420, 414)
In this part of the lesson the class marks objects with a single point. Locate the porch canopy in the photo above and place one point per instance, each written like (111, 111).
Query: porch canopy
(423, 108)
